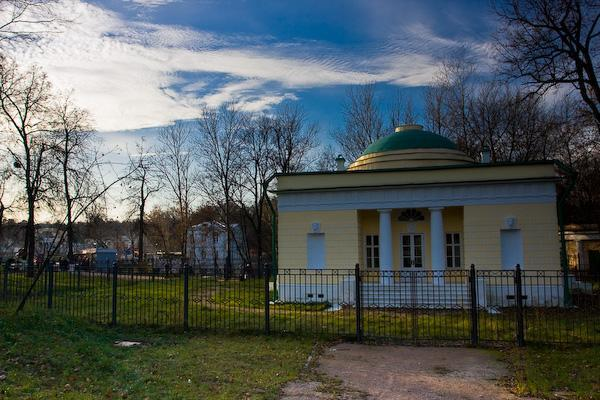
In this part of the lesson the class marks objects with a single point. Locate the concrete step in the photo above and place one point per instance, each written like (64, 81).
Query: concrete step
(418, 295)
(434, 303)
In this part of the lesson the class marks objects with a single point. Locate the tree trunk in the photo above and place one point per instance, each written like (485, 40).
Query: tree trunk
(68, 200)
(70, 232)
(214, 252)
(70, 240)
(141, 235)
(259, 266)
(228, 243)
(2, 209)
(30, 238)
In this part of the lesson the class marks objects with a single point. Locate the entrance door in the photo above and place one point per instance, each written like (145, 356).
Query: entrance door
(411, 250)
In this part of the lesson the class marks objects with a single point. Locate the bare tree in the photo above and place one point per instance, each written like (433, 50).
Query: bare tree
(162, 229)
(56, 242)
(584, 203)
(434, 113)
(327, 159)
(293, 138)
(258, 165)
(6, 199)
(24, 109)
(176, 167)
(446, 108)
(79, 161)
(27, 20)
(514, 125)
(218, 145)
(363, 121)
(549, 43)
(141, 183)
(401, 112)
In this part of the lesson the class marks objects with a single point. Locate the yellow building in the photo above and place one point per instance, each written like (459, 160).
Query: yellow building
(583, 249)
(414, 202)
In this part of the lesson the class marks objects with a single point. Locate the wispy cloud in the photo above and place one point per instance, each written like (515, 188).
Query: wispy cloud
(151, 3)
(133, 74)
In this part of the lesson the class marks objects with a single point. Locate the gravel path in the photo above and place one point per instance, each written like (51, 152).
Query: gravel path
(404, 372)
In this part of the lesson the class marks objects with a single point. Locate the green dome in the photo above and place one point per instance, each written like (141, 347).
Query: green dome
(411, 137)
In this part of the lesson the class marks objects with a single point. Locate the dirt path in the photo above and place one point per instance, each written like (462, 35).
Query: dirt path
(404, 372)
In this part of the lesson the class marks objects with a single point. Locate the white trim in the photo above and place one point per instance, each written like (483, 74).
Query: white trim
(436, 208)
(418, 196)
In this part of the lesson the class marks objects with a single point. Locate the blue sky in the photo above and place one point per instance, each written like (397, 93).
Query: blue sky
(141, 64)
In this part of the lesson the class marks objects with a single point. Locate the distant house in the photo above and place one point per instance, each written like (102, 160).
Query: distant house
(583, 248)
(46, 238)
(207, 246)
(97, 258)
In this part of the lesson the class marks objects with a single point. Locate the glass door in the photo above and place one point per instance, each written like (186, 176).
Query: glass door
(411, 250)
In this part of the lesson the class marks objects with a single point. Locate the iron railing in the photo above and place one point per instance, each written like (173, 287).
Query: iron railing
(466, 306)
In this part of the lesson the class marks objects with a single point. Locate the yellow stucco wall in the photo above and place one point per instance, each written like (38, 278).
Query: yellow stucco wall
(369, 225)
(341, 237)
(480, 228)
(539, 229)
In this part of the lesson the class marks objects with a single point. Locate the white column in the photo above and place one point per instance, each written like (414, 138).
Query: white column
(437, 242)
(385, 246)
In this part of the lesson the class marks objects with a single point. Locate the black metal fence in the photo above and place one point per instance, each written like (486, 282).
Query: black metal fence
(467, 306)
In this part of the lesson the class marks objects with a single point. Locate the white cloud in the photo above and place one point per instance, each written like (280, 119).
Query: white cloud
(151, 3)
(126, 72)
(194, 87)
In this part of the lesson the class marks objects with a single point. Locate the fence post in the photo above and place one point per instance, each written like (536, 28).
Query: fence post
(414, 303)
(78, 276)
(50, 269)
(114, 294)
(186, 299)
(474, 309)
(267, 300)
(519, 301)
(5, 280)
(358, 302)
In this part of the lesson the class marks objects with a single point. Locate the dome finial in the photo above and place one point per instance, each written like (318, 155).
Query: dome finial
(409, 127)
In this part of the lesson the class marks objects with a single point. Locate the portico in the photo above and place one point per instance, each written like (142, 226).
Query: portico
(410, 244)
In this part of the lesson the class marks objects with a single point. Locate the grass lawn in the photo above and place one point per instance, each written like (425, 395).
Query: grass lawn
(567, 372)
(45, 356)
